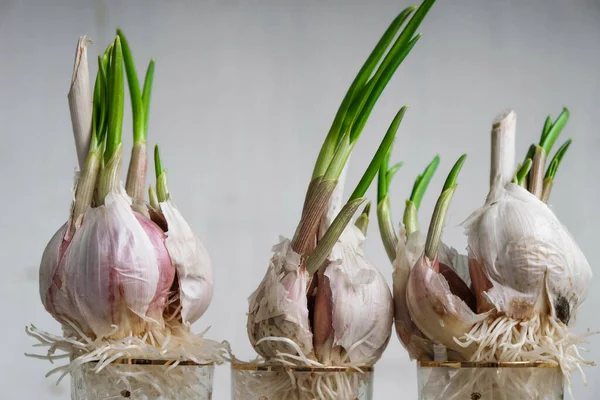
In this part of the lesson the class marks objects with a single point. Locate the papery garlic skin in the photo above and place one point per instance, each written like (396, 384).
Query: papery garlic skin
(362, 306)
(278, 308)
(441, 315)
(528, 256)
(192, 262)
(408, 251)
(114, 271)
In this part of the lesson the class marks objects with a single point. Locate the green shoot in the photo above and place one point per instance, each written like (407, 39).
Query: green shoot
(438, 219)
(557, 127)
(147, 94)
(335, 133)
(116, 101)
(411, 210)
(384, 215)
(362, 222)
(162, 191)
(380, 155)
(547, 127)
(522, 172)
(551, 171)
(422, 182)
(365, 91)
(137, 105)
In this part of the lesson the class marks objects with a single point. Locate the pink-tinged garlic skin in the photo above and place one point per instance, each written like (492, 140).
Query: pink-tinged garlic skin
(167, 270)
(192, 262)
(113, 272)
(361, 305)
(408, 252)
(529, 258)
(438, 313)
(278, 307)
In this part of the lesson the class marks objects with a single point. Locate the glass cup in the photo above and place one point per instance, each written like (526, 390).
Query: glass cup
(142, 380)
(489, 380)
(275, 381)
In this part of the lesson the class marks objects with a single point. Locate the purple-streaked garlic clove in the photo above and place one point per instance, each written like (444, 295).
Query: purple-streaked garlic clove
(437, 312)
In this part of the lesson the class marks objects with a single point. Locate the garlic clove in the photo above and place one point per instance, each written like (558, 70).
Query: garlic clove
(437, 312)
(322, 324)
(278, 308)
(419, 347)
(192, 262)
(361, 303)
(49, 265)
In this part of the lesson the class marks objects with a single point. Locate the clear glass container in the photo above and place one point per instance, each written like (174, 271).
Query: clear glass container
(489, 381)
(273, 382)
(142, 380)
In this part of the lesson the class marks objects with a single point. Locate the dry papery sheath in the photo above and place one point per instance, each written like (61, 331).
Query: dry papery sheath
(125, 275)
(321, 302)
(515, 294)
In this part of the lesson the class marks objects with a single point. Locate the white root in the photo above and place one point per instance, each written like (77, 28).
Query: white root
(540, 338)
(300, 385)
(175, 342)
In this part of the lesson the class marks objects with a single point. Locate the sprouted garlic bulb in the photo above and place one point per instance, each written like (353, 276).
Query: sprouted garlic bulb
(321, 302)
(526, 275)
(124, 275)
(526, 267)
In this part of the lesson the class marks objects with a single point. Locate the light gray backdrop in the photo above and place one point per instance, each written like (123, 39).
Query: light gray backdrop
(244, 94)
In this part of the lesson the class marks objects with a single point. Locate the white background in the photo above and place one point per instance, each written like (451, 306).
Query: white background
(244, 95)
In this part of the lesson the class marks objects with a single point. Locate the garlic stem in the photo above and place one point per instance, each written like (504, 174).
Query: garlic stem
(438, 218)
(136, 174)
(80, 101)
(86, 185)
(547, 189)
(110, 175)
(319, 255)
(362, 222)
(503, 148)
(353, 115)
(536, 177)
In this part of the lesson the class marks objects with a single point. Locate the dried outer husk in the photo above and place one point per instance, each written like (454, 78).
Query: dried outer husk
(530, 259)
(278, 308)
(192, 262)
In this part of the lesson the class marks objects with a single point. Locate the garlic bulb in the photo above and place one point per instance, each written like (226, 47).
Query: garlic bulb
(321, 302)
(530, 259)
(115, 271)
